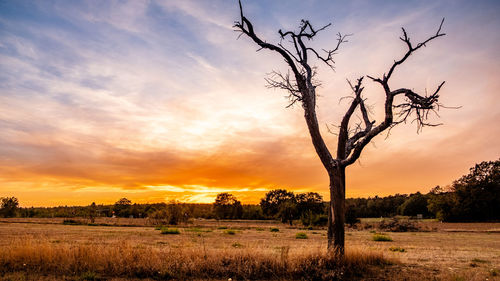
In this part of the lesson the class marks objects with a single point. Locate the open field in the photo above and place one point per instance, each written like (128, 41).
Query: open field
(47, 249)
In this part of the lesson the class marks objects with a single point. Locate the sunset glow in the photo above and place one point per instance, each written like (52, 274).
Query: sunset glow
(158, 100)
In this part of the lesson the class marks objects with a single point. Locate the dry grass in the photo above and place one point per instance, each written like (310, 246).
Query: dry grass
(123, 259)
(31, 251)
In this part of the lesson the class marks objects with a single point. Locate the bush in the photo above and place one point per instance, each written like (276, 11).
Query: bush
(274, 229)
(237, 245)
(197, 229)
(165, 230)
(397, 249)
(310, 218)
(351, 217)
(230, 232)
(381, 237)
(89, 276)
(73, 222)
(398, 225)
(300, 235)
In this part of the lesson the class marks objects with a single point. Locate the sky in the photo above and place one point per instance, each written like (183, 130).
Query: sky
(160, 100)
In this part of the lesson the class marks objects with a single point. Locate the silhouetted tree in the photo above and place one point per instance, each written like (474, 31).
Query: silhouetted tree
(288, 211)
(227, 206)
(473, 197)
(301, 86)
(176, 213)
(414, 205)
(271, 202)
(92, 212)
(8, 206)
(122, 207)
(310, 201)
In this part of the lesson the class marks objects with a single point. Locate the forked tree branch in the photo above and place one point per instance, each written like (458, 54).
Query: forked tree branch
(420, 105)
(301, 88)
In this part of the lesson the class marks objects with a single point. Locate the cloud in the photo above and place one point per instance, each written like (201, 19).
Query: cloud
(158, 100)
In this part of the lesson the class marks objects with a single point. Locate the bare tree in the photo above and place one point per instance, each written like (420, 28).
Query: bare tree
(301, 87)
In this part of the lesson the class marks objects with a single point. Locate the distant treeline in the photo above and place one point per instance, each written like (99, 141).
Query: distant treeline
(473, 197)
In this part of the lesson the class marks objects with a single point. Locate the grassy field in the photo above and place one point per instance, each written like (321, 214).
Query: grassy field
(45, 249)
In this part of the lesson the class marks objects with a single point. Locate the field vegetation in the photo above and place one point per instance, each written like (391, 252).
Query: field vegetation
(35, 250)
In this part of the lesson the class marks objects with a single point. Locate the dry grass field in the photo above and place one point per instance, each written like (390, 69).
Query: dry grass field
(45, 249)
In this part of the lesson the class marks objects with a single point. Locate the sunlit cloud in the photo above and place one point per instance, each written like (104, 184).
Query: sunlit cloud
(159, 101)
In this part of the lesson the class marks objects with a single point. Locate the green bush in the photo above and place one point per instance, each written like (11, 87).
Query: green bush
(312, 219)
(237, 245)
(165, 230)
(397, 249)
(230, 232)
(274, 229)
(89, 276)
(381, 237)
(222, 227)
(197, 229)
(300, 235)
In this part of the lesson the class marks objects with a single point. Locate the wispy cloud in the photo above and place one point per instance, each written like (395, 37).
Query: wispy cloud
(158, 100)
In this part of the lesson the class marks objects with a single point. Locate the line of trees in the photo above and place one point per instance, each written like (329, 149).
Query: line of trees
(473, 197)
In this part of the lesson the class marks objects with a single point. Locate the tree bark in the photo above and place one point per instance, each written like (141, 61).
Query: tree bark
(336, 213)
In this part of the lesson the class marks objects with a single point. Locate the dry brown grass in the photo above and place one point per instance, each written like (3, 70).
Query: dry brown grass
(31, 251)
(123, 259)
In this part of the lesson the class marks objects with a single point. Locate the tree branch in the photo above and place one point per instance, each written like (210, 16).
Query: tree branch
(415, 103)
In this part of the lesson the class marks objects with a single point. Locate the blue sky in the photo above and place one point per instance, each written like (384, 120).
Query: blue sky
(157, 100)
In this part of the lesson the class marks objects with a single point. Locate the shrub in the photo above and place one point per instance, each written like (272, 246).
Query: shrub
(165, 230)
(381, 237)
(274, 229)
(397, 249)
(222, 227)
(197, 229)
(351, 217)
(300, 235)
(237, 245)
(494, 272)
(89, 276)
(73, 222)
(398, 225)
(230, 232)
(312, 219)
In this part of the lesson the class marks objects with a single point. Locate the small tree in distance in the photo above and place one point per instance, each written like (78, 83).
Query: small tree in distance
(351, 140)
(273, 199)
(287, 206)
(227, 206)
(122, 207)
(8, 206)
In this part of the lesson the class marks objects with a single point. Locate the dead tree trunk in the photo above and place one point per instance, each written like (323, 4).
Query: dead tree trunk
(336, 213)
(301, 87)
